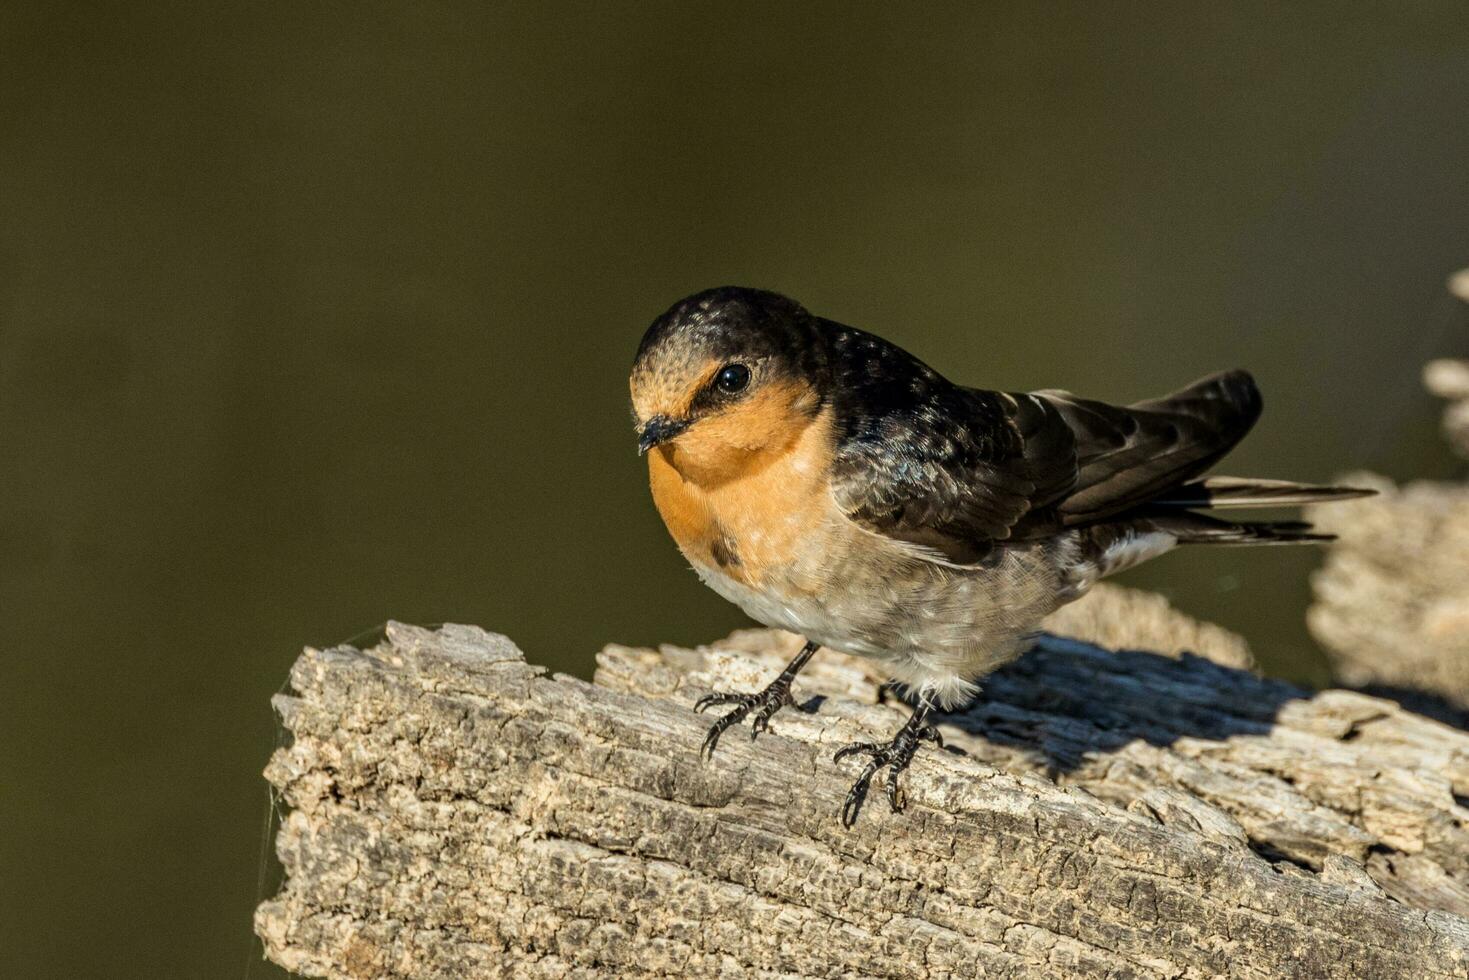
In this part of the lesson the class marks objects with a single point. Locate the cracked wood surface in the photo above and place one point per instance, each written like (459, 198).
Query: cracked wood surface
(454, 812)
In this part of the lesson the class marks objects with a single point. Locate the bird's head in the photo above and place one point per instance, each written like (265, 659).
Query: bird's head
(726, 375)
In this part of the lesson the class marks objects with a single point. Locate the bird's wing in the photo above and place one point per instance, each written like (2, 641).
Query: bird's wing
(934, 464)
(1127, 457)
(956, 469)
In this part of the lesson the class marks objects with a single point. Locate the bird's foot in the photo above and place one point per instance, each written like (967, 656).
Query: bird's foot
(777, 695)
(895, 755)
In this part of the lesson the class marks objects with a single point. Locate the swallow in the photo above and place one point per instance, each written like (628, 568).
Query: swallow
(831, 484)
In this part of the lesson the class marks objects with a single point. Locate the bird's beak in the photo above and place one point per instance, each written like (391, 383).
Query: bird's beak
(658, 430)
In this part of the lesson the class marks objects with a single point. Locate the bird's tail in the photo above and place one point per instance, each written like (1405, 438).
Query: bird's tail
(1190, 527)
(1145, 534)
(1172, 519)
(1227, 492)
(1174, 512)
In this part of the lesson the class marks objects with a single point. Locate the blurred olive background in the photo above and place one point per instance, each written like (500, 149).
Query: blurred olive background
(313, 315)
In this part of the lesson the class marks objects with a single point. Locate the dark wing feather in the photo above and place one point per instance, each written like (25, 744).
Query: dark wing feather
(955, 475)
(1128, 456)
(956, 469)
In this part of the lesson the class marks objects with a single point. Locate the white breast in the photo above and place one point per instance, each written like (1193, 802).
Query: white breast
(931, 626)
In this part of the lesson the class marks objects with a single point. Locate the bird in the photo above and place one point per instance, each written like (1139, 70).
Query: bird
(829, 483)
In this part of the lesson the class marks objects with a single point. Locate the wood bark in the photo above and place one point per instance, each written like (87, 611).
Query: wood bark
(455, 812)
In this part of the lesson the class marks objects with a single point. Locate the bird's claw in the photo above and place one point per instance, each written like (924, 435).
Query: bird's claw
(764, 704)
(716, 699)
(895, 755)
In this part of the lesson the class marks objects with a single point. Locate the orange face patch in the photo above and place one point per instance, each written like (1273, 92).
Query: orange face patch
(745, 436)
(740, 505)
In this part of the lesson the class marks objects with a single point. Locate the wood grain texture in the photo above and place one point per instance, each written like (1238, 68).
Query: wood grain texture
(454, 812)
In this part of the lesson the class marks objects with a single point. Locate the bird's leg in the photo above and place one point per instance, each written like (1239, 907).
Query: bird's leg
(895, 755)
(777, 694)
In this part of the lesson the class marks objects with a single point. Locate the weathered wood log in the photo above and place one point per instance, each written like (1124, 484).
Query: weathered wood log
(1119, 618)
(1392, 598)
(454, 812)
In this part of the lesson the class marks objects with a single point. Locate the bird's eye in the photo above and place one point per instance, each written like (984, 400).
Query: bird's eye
(732, 378)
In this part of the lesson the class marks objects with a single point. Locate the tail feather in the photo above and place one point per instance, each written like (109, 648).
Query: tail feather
(1241, 492)
(1188, 527)
(1118, 546)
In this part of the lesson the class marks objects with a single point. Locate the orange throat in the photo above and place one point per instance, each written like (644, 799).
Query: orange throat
(740, 509)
